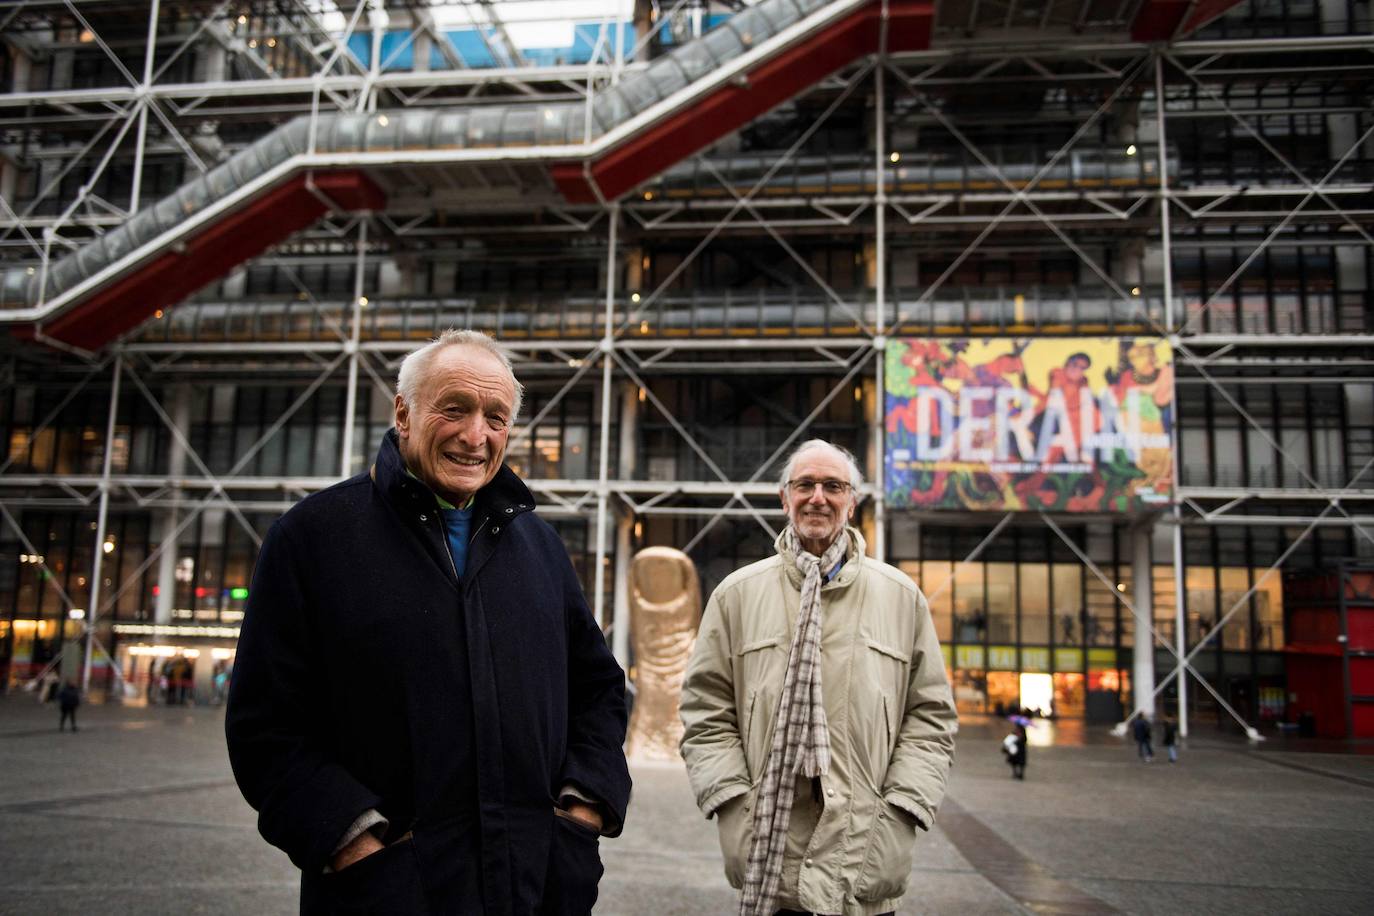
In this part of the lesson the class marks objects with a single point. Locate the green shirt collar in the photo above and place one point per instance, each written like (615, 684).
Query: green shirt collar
(443, 503)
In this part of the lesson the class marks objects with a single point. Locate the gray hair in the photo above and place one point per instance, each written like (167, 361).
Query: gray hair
(416, 365)
(856, 477)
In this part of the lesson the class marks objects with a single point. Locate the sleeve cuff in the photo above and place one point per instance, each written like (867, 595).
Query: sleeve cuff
(609, 825)
(922, 816)
(721, 796)
(366, 821)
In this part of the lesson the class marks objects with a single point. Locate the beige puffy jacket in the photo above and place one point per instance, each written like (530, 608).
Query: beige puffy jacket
(890, 713)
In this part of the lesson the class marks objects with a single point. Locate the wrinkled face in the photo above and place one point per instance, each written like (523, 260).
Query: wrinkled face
(454, 436)
(819, 516)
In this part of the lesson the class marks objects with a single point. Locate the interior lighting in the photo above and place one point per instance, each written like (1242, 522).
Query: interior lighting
(77, 613)
(157, 314)
(648, 195)
(155, 651)
(86, 36)
(362, 301)
(252, 42)
(642, 394)
(29, 271)
(634, 297)
(271, 42)
(574, 364)
(239, 593)
(1120, 587)
(639, 530)
(895, 157)
(1135, 291)
(221, 655)
(858, 393)
(108, 546)
(644, 327)
(243, 20)
(383, 120)
(1130, 150)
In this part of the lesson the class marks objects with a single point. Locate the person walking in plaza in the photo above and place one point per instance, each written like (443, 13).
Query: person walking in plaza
(818, 721)
(1170, 728)
(1014, 748)
(424, 711)
(68, 699)
(1140, 730)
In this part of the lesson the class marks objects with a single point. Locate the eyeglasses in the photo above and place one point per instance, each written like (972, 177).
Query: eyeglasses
(805, 486)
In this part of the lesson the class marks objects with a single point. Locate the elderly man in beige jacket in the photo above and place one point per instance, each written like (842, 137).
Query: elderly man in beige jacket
(819, 725)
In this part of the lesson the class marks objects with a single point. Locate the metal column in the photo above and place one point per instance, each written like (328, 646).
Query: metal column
(142, 137)
(1142, 645)
(98, 555)
(351, 395)
(1180, 588)
(603, 470)
(877, 427)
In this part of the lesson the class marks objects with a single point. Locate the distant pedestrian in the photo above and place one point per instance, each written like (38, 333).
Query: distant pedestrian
(1014, 749)
(1170, 727)
(47, 687)
(1140, 730)
(68, 698)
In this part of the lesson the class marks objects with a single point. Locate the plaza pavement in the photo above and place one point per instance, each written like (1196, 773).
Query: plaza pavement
(138, 813)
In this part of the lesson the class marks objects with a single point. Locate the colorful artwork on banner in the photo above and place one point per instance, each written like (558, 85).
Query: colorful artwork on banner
(1063, 425)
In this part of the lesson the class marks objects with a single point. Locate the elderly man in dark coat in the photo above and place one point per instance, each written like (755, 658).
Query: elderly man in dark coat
(424, 711)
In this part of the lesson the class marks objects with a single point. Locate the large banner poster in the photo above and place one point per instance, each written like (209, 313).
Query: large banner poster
(995, 423)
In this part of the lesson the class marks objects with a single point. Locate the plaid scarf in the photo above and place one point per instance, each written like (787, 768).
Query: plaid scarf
(801, 738)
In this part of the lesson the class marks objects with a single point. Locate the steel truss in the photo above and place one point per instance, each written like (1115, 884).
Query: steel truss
(918, 82)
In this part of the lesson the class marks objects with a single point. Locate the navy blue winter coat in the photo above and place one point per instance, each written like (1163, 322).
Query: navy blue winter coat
(369, 676)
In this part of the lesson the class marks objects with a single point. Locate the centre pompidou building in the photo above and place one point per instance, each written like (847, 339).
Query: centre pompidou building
(1085, 285)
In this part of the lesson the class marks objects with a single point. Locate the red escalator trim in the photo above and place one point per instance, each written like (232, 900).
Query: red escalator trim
(239, 235)
(1159, 20)
(730, 107)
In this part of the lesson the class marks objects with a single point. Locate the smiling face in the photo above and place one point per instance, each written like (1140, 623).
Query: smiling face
(818, 516)
(454, 436)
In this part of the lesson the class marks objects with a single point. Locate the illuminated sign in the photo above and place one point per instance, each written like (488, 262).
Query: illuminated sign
(1000, 424)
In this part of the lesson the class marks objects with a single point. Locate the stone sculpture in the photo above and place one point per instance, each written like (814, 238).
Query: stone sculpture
(665, 609)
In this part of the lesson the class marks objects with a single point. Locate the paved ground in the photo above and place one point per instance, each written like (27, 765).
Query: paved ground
(138, 814)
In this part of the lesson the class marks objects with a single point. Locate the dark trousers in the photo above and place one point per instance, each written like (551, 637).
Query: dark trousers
(67, 714)
(805, 913)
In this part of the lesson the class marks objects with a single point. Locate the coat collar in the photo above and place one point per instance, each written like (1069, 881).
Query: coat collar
(852, 560)
(503, 498)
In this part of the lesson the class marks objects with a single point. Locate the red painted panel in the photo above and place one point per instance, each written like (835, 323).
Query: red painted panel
(1359, 622)
(731, 107)
(1362, 676)
(1363, 716)
(1158, 20)
(238, 236)
(1321, 624)
(1315, 686)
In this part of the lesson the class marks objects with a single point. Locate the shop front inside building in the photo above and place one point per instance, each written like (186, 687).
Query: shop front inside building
(174, 666)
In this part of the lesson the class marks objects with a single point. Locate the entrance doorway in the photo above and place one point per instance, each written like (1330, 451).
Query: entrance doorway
(1037, 694)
